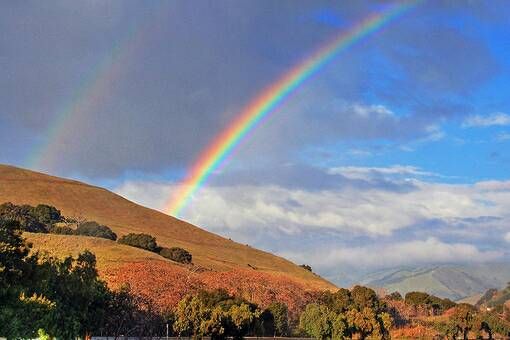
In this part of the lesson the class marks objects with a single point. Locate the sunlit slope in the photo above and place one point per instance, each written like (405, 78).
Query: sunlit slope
(77, 199)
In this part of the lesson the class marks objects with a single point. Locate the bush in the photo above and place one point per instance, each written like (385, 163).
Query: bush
(306, 267)
(47, 214)
(176, 254)
(143, 241)
(96, 230)
(24, 215)
(61, 230)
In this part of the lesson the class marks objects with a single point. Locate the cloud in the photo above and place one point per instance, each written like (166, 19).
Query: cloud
(504, 136)
(493, 119)
(363, 219)
(198, 65)
(415, 252)
(360, 207)
(507, 237)
(367, 173)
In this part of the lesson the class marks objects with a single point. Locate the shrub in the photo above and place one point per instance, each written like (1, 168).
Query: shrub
(306, 267)
(47, 214)
(23, 214)
(61, 230)
(143, 241)
(176, 254)
(96, 230)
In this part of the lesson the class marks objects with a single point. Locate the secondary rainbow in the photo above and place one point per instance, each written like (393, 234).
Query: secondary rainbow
(266, 102)
(74, 111)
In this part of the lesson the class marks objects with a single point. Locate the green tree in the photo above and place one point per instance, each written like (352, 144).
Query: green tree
(191, 312)
(176, 254)
(364, 297)
(47, 214)
(141, 240)
(242, 318)
(316, 321)
(22, 312)
(96, 230)
(280, 314)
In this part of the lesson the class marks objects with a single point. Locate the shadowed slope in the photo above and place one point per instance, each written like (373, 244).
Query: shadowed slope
(76, 199)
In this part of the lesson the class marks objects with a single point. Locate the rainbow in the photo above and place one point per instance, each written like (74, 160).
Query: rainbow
(94, 89)
(269, 99)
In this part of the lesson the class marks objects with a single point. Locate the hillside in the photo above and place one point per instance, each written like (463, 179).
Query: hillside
(455, 282)
(75, 199)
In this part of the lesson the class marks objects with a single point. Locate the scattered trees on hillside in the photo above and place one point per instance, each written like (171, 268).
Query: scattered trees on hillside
(48, 219)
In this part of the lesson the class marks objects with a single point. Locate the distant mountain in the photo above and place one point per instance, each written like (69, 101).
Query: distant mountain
(455, 282)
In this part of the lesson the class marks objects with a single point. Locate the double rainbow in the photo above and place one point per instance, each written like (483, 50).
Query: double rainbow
(266, 102)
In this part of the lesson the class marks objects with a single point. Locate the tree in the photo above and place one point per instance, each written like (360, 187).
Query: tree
(463, 318)
(96, 230)
(47, 214)
(189, 315)
(24, 216)
(242, 317)
(306, 267)
(176, 254)
(340, 326)
(364, 297)
(395, 296)
(316, 321)
(22, 312)
(279, 312)
(80, 297)
(143, 241)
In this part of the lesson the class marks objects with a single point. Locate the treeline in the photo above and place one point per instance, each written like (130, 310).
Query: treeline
(48, 219)
(448, 319)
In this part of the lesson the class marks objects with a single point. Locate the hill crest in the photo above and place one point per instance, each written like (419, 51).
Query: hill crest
(75, 198)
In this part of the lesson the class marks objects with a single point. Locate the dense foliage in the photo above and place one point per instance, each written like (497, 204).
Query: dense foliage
(96, 230)
(61, 298)
(218, 315)
(433, 303)
(176, 254)
(344, 314)
(143, 241)
(37, 219)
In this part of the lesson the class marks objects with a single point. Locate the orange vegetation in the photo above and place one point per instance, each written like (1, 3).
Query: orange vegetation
(413, 332)
(166, 284)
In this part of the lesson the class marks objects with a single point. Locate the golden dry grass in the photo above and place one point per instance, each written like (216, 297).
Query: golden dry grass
(74, 198)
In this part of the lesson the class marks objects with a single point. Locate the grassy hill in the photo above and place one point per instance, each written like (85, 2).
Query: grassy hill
(455, 282)
(76, 199)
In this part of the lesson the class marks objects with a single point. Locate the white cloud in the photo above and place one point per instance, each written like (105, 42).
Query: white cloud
(369, 211)
(496, 118)
(269, 216)
(503, 136)
(355, 172)
(415, 252)
(507, 237)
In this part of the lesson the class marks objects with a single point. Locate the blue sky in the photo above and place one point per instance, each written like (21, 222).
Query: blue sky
(401, 142)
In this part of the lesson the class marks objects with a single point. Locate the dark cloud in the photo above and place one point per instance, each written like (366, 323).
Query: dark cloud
(199, 63)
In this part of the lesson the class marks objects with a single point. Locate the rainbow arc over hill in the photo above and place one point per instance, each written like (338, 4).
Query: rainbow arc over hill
(269, 99)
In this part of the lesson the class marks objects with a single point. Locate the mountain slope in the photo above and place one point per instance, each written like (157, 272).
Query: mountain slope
(76, 199)
(451, 281)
